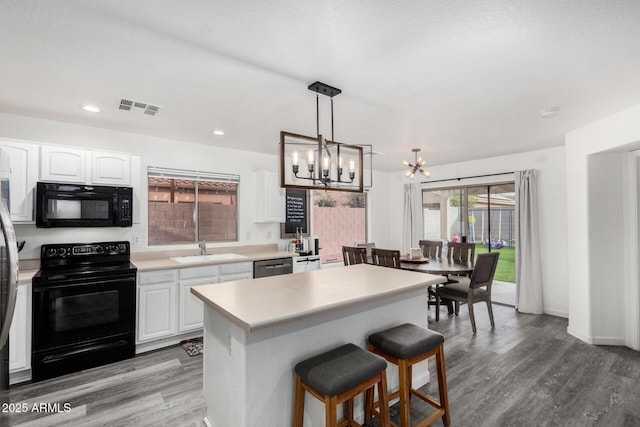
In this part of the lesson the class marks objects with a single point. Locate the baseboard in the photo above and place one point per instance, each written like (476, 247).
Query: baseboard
(597, 340)
(557, 313)
(166, 342)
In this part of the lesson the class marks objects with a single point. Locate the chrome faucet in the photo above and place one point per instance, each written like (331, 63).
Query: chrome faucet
(203, 247)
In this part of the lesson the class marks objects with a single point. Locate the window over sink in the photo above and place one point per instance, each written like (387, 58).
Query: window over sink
(191, 206)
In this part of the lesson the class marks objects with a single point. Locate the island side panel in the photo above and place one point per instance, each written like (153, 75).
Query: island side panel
(224, 371)
(272, 353)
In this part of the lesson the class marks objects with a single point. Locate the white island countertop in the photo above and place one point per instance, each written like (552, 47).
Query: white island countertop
(257, 303)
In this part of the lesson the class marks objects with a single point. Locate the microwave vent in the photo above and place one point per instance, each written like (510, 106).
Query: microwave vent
(138, 107)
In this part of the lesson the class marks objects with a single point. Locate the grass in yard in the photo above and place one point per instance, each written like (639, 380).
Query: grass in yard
(506, 270)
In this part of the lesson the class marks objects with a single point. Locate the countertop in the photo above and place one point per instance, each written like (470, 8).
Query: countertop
(161, 260)
(258, 303)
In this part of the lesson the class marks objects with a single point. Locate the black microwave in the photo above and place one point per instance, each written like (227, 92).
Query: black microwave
(78, 205)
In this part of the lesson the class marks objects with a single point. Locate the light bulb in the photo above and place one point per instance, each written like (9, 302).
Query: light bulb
(295, 158)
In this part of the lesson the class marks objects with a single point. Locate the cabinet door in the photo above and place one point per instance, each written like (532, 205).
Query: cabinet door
(20, 332)
(235, 276)
(191, 308)
(156, 310)
(23, 175)
(110, 168)
(269, 198)
(314, 264)
(300, 264)
(63, 164)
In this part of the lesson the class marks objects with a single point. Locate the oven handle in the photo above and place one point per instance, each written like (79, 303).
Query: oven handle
(12, 263)
(61, 284)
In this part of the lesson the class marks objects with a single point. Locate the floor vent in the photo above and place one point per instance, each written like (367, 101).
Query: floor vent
(137, 106)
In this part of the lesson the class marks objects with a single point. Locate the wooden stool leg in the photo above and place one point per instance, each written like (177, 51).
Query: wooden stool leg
(331, 411)
(385, 417)
(403, 371)
(442, 386)
(368, 406)
(348, 411)
(298, 406)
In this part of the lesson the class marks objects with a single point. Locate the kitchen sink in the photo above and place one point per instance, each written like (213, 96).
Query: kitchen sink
(204, 258)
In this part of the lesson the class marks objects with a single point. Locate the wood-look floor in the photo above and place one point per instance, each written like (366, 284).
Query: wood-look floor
(526, 372)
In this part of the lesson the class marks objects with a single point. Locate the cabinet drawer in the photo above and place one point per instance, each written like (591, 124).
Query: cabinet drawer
(236, 267)
(157, 276)
(198, 272)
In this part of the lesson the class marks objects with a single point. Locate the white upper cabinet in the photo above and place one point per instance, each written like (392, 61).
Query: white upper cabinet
(63, 164)
(23, 175)
(269, 197)
(110, 168)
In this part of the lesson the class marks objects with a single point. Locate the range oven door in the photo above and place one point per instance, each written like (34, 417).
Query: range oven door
(81, 324)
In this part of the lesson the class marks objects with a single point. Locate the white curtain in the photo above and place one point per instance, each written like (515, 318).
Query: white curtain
(413, 222)
(528, 267)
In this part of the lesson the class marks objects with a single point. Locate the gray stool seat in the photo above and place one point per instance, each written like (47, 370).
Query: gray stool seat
(406, 341)
(338, 370)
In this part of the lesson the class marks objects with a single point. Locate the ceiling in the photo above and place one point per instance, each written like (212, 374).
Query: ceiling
(459, 79)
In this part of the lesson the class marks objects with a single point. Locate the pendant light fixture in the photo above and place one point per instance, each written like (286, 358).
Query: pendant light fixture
(419, 162)
(317, 163)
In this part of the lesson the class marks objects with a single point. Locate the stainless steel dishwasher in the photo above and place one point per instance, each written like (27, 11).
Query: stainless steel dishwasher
(272, 267)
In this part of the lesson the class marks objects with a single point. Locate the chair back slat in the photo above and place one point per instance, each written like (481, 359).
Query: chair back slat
(431, 248)
(354, 255)
(461, 252)
(386, 257)
(368, 247)
(484, 270)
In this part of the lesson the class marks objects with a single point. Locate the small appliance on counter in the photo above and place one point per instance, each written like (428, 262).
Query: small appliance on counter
(311, 246)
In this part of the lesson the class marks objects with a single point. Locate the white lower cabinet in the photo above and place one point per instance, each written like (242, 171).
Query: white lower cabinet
(157, 296)
(20, 336)
(307, 263)
(191, 308)
(168, 311)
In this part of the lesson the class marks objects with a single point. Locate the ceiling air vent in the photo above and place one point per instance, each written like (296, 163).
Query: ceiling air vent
(137, 106)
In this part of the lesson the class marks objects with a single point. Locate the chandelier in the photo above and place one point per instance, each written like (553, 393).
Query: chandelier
(317, 163)
(419, 162)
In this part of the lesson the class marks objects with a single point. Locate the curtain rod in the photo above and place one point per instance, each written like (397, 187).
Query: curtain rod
(467, 177)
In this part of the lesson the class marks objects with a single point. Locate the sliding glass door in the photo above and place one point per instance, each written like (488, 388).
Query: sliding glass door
(484, 215)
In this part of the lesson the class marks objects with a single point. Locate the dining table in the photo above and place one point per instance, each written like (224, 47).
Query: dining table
(442, 266)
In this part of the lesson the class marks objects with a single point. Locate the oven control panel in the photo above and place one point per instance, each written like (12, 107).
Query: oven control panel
(68, 250)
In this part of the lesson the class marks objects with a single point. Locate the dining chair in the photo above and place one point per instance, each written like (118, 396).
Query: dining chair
(386, 257)
(461, 252)
(354, 255)
(479, 288)
(431, 248)
(367, 246)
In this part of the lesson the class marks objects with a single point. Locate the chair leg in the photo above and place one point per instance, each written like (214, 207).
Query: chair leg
(490, 309)
(331, 411)
(472, 317)
(457, 311)
(437, 307)
(403, 371)
(442, 386)
(348, 411)
(385, 417)
(298, 406)
(368, 406)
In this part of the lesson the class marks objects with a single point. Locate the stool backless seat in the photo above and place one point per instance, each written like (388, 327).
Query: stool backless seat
(404, 346)
(336, 377)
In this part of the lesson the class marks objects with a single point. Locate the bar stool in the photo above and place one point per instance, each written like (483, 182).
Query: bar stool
(336, 377)
(406, 345)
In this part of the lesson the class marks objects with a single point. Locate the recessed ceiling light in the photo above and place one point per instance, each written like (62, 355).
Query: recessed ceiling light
(91, 108)
(549, 113)
(218, 132)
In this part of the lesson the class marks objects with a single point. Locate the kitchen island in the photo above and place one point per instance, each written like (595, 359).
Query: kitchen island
(256, 331)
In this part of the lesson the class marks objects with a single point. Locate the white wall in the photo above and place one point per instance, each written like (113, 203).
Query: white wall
(552, 204)
(603, 307)
(170, 153)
